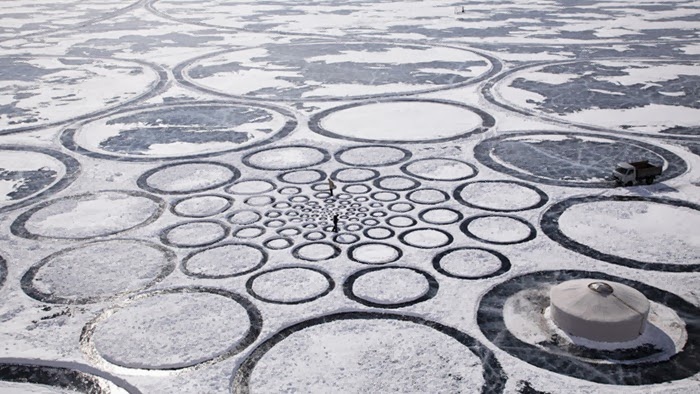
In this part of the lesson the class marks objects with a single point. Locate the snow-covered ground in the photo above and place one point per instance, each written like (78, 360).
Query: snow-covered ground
(167, 220)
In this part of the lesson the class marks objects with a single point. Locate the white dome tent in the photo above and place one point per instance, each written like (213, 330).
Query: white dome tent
(599, 311)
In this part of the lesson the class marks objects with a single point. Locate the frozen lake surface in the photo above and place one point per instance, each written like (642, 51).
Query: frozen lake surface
(343, 196)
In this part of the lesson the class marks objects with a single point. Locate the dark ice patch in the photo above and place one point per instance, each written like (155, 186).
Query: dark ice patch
(29, 182)
(199, 125)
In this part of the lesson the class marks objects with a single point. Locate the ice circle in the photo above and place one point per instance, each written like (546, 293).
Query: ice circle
(97, 271)
(396, 183)
(471, 263)
(427, 196)
(28, 174)
(401, 121)
(52, 90)
(401, 221)
(201, 206)
(346, 238)
(188, 177)
(194, 234)
(596, 226)
(374, 253)
(278, 243)
(440, 216)
(500, 196)
(378, 233)
(352, 175)
(426, 238)
(439, 169)
(372, 155)
(450, 361)
(571, 159)
(290, 285)
(179, 131)
(289, 157)
(259, 201)
(248, 232)
(385, 196)
(224, 261)
(243, 217)
(498, 229)
(401, 207)
(164, 338)
(331, 70)
(302, 177)
(390, 287)
(89, 215)
(251, 186)
(316, 251)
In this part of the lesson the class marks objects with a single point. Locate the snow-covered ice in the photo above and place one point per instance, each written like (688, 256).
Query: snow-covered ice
(316, 196)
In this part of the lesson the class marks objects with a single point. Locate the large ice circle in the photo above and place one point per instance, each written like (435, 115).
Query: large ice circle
(332, 70)
(641, 232)
(350, 352)
(53, 90)
(179, 131)
(568, 159)
(201, 325)
(97, 271)
(401, 121)
(89, 215)
(29, 173)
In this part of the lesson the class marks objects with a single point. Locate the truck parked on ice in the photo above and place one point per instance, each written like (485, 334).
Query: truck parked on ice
(639, 171)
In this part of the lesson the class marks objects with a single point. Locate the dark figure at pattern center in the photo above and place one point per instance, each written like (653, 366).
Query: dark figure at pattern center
(331, 186)
(335, 223)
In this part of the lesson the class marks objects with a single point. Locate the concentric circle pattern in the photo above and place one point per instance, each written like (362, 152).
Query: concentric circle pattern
(379, 178)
